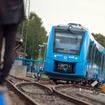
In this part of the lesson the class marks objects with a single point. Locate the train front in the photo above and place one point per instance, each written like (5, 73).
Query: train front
(66, 53)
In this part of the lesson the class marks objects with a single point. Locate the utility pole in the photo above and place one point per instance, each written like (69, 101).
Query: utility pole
(38, 65)
(40, 50)
(45, 50)
(25, 7)
(27, 12)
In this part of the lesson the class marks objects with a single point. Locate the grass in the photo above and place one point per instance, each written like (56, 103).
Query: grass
(44, 76)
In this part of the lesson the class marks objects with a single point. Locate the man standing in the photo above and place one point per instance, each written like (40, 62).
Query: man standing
(11, 14)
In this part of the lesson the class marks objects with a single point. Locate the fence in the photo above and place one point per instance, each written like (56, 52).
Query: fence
(30, 63)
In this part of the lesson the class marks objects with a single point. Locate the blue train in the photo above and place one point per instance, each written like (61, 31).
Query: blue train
(74, 55)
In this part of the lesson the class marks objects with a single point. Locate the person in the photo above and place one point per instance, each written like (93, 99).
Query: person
(11, 14)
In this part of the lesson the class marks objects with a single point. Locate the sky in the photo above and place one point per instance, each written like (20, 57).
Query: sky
(88, 13)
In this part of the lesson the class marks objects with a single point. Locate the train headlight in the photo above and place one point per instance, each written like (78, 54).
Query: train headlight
(55, 55)
(76, 58)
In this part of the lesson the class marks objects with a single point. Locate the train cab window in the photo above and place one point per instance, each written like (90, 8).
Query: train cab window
(67, 42)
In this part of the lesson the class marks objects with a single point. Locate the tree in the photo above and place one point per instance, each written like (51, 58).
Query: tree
(99, 38)
(36, 34)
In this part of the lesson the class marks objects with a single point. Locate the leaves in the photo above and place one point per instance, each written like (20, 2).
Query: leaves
(36, 34)
(99, 38)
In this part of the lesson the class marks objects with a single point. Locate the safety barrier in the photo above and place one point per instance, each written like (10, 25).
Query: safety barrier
(30, 64)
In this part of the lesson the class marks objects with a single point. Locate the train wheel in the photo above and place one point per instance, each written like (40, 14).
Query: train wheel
(89, 82)
(77, 82)
(54, 80)
(67, 82)
(72, 82)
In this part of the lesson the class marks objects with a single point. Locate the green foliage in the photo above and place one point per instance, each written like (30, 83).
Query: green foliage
(36, 34)
(99, 38)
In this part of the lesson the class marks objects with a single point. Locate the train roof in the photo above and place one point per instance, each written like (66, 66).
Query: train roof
(72, 26)
(79, 27)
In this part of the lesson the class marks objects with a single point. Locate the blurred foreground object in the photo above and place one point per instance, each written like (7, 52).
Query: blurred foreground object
(4, 98)
(11, 14)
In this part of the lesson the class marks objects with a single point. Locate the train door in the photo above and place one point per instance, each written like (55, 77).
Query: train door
(89, 53)
(90, 58)
(93, 54)
(98, 63)
(102, 67)
(93, 66)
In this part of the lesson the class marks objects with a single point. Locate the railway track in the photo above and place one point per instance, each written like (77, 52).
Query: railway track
(26, 98)
(47, 92)
(40, 94)
(28, 79)
(78, 95)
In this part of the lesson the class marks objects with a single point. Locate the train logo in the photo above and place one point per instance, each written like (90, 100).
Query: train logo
(65, 57)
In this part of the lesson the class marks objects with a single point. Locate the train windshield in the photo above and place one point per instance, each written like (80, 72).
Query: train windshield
(67, 42)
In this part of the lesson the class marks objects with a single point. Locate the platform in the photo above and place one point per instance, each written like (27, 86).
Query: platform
(18, 70)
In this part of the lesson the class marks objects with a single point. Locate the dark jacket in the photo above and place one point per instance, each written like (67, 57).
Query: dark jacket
(11, 11)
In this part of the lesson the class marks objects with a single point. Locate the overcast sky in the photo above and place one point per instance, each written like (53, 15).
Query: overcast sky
(89, 13)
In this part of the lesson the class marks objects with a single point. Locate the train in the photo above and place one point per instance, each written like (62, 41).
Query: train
(74, 55)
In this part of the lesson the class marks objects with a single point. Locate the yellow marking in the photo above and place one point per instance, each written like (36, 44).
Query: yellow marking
(66, 51)
(103, 89)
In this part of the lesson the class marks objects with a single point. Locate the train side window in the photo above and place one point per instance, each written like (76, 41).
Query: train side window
(102, 68)
(93, 54)
(99, 61)
(104, 63)
(98, 57)
(89, 51)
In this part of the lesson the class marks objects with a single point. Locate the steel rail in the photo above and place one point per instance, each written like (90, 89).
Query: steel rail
(69, 98)
(30, 101)
(22, 95)
(28, 79)
(49, 90)
(87, 87)
(20, 78)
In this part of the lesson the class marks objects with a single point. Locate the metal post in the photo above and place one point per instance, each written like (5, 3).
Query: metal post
(27, 15)
(45, 50)
(30, 66)
(37, 68)
(40, 53)
(40, 50)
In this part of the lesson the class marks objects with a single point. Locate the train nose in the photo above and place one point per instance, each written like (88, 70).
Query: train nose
(64, 67)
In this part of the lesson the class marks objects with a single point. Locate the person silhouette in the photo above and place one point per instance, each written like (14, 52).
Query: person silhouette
(11, 14)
